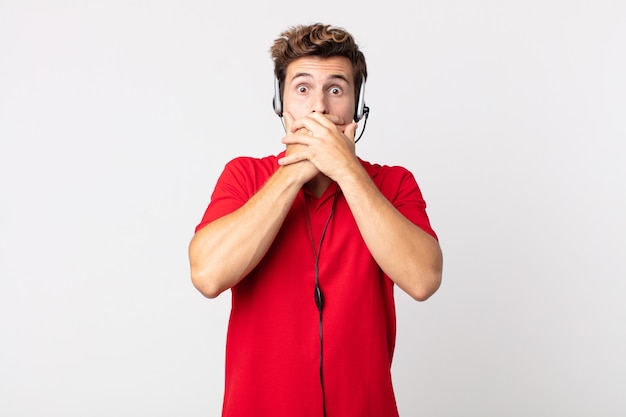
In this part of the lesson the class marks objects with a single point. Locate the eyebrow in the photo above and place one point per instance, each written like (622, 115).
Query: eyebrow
(332, 76)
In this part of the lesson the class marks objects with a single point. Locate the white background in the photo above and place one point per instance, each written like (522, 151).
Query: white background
(116, 117)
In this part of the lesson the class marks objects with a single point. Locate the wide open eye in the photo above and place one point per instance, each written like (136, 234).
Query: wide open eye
(302, 89)
(335, 91)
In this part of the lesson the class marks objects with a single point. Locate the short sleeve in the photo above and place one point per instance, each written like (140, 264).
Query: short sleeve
(241, 179)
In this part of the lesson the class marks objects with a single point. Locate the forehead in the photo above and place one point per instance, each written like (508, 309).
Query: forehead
(318, 67)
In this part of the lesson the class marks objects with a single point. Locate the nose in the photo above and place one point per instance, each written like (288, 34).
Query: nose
(319, 104)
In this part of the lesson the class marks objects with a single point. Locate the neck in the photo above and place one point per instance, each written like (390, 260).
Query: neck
(318, 185)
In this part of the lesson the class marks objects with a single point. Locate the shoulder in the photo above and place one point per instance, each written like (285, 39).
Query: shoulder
(248, 167)
(250, 162)
(399, 186)
(381, 173)
(392, 180)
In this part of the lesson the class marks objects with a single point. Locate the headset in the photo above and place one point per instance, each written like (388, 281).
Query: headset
(361, 111)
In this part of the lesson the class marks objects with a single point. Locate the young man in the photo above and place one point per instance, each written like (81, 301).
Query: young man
(311, 243)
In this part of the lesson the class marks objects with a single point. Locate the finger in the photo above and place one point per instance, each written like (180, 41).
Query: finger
(288, 118)
(351, 130)
(315, 121)
(327, 119)
(291, 159)
(304, 131)
(304, 123)
(302, 137)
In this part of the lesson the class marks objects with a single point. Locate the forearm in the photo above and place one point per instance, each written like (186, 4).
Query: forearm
(227, 249)
(408, 255)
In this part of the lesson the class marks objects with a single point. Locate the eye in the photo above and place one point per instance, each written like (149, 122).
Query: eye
(335, 91)
(302, 89)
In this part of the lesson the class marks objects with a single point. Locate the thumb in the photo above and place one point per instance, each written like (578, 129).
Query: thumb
(351, 130)
(288, 118)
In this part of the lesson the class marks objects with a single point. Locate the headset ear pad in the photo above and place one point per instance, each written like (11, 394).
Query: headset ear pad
(277, 102)
(361, 108)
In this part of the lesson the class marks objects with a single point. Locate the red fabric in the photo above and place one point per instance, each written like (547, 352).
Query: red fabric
(273, 342)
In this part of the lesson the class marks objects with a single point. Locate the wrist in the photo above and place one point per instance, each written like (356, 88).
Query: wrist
(293, 175)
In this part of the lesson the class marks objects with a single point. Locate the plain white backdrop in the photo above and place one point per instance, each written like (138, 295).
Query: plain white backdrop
(116, 117)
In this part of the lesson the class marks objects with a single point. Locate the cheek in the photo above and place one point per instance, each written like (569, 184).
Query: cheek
(296, 106)
(345, 109)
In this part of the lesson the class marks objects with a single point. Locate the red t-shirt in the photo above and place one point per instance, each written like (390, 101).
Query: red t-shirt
(273, 342)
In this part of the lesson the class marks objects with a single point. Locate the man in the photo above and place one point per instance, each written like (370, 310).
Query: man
(311, 243)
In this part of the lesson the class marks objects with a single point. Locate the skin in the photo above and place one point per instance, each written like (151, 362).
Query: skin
(319, 104)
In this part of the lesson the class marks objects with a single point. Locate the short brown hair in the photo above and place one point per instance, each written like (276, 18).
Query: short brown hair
(317, 40)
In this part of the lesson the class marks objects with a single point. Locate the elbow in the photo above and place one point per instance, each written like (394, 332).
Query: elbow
(201, 280)
(426, 286)
(206, 289)
(427, 282)
(429, 279)
(203, 275)
(424, 277)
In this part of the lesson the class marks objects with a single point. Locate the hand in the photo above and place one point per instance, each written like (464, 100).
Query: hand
(324, 141)
(305, 168)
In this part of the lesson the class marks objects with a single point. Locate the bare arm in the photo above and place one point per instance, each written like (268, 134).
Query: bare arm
(408, 255)
(224, 251)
